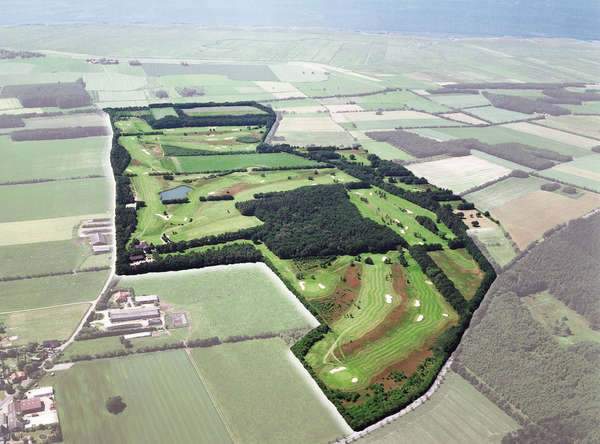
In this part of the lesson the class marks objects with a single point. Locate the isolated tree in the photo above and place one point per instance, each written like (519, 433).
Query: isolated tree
(115, 405)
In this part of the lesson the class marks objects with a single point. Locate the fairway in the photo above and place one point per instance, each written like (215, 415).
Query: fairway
(47, 291)
(49, 200)
(195, 164)
(155, 387)
(457, 412)
(263, 377)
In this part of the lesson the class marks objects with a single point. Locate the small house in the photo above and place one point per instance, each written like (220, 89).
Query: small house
(30, 405)
(146, 299)
(16, 377)
(97, 239)
(121, 296)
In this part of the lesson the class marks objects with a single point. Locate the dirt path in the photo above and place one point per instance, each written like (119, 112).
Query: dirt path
(46, 308)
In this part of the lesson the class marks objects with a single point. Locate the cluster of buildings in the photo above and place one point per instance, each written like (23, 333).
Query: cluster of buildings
(37, 408)
(97, 231)
(135, 311)
(140, 255)
(103, 61)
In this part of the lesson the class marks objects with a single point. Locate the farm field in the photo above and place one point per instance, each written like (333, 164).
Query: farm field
(586, 108)
(233, 71)
(458, 173)
(47, 200)
(587, 126)
(361, 344)
(503, 192)
(502, 134)
(48, 291)
(39, 325)
(465, 118)
(528, 217)
(582, 172)
(498, 115)
(551, 312)
(496, 243)
(263, 377)
(51, 159)
(159, 113)
(457, 412)
(65, 121)
(226, 300)
(399, 100)
(460, 100)
(41, 230)
(554, 134)
(460, 269)
(220, 110)
(187, 164)
(66, 255)
(384, 150)
(163, 380)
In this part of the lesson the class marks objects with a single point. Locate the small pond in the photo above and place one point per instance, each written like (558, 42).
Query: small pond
(176, 193)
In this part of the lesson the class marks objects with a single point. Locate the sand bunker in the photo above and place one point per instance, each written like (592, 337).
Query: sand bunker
(301, 283)
(409, 212)
(321, 286)
(335, 370)
(445, 315)
(419, 318)
(388, 298)
(417, 303)
(384, 258)
(354, 379)
(163, 216)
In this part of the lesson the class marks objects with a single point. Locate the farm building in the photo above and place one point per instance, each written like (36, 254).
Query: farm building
(17, 377)
(99, 249)
(155, 321)
(177, 319)
(131, 326)
(143, 334)
(131, 314)
(97, 239)
(52, 343)
(137, 257)
(40, 392)
(30, 405)
(11, 422)
(121, 296)
(146, 299)
(142, 245)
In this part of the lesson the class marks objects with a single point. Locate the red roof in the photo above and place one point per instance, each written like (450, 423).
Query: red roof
(30, 405)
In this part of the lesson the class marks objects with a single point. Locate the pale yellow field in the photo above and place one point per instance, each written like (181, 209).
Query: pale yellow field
(309, 124)
(458, 173)
(577, 171)
(584, 125)
(10, 103)
(281, 90)
(461, 117)
(386, 115)
(527, 218)
(344, 108)
(553, 134)
(43, 230)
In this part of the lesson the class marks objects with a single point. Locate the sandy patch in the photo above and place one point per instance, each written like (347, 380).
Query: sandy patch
(429, 282)
(211, 193)
(403, 231)
(354, 380)
(445, 315)
(417, 303)
(162, 216)
(185, 219)
(384, 258)
(419, 318)
(302, 286)
(336, 370)
(409, 212)
(388, 298)
(146, 151)
(321, 286)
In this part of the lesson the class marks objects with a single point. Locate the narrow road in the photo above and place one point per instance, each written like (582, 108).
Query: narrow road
(45, 308)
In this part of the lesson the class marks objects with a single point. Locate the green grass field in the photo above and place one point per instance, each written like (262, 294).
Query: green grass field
(155, 388)
(51, 159)
(585, 108)
(54, 199)
(582, 172)
(418, 322)
(228, 300)
(44, 292)
(500, 134)
(236, 161)
(159, 113)
(499, 247)
(383, 149)
(503, 192)
(221, 110)
(197, 219)
(460, 100)
(457, 412)
(551, 312)
(264, 378)
(460, 268)
(398, 214)
(382, 123)
(133, 125)
(40, 325)
(498, 115)
(584, 125)
(400, 100)
(65, 255)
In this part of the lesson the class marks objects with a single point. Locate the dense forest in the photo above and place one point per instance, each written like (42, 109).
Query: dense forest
(61, 94)
(518, 364)
(317, 221)
(419, 146)
(525, 105)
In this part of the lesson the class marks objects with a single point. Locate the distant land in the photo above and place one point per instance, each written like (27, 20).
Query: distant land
(576, 19)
